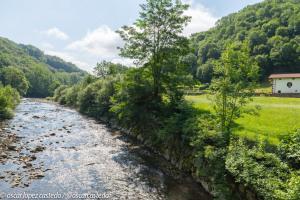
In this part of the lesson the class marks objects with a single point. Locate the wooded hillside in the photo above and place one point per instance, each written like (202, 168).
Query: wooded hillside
(272, 28)
(43, 73)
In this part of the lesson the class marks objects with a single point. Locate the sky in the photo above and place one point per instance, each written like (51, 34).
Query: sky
(83, 31)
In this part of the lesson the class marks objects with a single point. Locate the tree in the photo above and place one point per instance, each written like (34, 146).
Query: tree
(106, 68)
(155, 39)
(41, 81)
(233, 85)
(101, 69)
(15, 78)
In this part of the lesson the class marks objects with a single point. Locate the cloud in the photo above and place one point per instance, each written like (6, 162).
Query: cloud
(99, 44)
(102, 42)
(202, 18)
(56, 33)
(123, 61)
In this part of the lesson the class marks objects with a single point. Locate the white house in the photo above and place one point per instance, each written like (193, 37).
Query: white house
(285, 83)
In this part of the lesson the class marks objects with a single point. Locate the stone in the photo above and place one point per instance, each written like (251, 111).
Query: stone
(37, 149)
(12, 147)
(39, 176)
(3, 155)
(33, 157)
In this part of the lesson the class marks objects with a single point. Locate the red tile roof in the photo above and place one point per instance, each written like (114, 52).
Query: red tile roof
(285, 75)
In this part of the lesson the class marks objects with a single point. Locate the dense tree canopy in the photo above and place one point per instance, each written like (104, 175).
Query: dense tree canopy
(272, 29)
(15, 78)
(33, 73)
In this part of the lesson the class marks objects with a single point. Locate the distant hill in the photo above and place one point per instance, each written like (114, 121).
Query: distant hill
(43, 72)
(272, 28)
(53, 61)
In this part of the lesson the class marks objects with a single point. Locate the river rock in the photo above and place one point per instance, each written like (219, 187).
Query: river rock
(37, 149)
(33, 157)
(39, 176)
(12, 147)
(3, 155)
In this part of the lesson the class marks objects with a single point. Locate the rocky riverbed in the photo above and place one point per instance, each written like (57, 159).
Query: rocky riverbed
(47, 148)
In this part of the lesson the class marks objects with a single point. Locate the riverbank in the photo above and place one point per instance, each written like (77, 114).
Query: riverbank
(58, 150)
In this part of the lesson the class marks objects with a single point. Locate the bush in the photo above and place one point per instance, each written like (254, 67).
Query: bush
(94, 100)
(9, 99)
(263, 172)
(290, 150)
(134, 105)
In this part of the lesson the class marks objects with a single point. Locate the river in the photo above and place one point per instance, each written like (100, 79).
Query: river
(48, 149)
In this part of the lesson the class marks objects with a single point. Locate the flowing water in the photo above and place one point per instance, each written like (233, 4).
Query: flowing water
(49, 151)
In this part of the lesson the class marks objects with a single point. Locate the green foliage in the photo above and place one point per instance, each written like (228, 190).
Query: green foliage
(9, 99)
(53, 61)
(236, 75)
(15, 78)
(94, 100)
(155, 40)
(272, 28)
(92, 96)
(133, 103)
(43, 73)
(104, 69)
(264, 172)
(41, 81)
(59, 94)
(290, 150)
(292, 189)
(148, 100)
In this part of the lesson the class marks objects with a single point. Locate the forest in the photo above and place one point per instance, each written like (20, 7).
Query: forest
(272, 29)
(26, 71)
(149, 101)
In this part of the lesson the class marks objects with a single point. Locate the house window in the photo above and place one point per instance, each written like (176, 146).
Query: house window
(289, 84)
(279, 91)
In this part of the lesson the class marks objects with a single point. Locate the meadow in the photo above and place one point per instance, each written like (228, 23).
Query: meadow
(276, 117)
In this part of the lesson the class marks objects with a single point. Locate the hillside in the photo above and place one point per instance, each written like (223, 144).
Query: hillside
(53, 61)
(272, 29)
(44, 73)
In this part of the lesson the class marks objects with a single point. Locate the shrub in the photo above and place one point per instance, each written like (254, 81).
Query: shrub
(134, 105)
(9, 99)
(264, 172)
(290, 150)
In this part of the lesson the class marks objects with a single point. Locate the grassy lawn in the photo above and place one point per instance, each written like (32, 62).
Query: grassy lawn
(277, 117)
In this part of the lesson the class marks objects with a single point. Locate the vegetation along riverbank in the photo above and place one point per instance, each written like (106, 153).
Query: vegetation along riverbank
(149, 103)
(236, 143)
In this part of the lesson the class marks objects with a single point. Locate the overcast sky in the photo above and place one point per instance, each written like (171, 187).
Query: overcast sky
(83, 31)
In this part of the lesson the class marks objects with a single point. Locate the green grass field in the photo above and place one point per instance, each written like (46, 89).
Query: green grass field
(277, 117)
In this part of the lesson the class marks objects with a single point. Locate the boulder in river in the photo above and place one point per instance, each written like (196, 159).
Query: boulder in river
(12, 147)
(3, 155)
(38, 149)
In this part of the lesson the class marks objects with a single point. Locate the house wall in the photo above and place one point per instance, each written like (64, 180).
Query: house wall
(281, 85)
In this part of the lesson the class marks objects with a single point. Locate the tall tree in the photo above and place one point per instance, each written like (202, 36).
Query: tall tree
(155, 40)
(233, 85)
